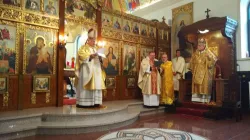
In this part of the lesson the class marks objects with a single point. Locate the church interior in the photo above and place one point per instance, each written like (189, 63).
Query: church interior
(40, 44)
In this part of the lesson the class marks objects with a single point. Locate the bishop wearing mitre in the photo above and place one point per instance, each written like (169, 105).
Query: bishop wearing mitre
(202, 66)
(89, 74)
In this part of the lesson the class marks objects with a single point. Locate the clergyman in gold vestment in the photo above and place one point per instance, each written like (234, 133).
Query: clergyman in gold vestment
(201, 65)
(167, 86)
(89, 75)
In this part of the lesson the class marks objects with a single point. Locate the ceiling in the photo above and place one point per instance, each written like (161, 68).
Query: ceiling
(154, 7)
(132, 6)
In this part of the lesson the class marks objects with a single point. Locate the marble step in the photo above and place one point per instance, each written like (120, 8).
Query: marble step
(14, 122)
(79, 127)
(71, 120)
(53, 128)
(84, 117)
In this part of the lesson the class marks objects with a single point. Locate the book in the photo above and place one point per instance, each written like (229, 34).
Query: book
(100, 52)
(157, 63)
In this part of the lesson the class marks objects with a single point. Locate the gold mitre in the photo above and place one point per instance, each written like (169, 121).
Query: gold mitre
(202, 41)
(91, 33)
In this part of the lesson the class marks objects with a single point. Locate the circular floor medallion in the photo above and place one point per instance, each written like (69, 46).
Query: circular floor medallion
(151, 134)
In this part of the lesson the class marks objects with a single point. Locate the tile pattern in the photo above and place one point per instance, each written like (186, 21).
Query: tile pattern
(152, 134)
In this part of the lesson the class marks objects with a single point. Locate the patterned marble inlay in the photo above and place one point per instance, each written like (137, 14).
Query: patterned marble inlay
(151, 134)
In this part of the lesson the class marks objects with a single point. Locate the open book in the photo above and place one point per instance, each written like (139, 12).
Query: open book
(100, 52)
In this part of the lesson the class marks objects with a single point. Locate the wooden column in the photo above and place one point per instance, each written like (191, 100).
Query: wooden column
(60, 56)
(157, 44)
(20, 70)
(220, 89)
(99, 22)
(185, 88)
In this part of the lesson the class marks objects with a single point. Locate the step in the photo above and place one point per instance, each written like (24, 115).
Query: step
(13, 122)
(195, 105)
(71, 120)
(58, 128)
(191, 111)
(83, 116)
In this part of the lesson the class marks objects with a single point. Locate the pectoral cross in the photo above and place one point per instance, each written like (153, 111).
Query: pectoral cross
(208, 10)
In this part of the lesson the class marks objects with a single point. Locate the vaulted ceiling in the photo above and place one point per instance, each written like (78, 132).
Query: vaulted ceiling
(155, 6)
(132, 6)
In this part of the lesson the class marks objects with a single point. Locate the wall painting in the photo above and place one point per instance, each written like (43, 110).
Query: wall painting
(80, 8)
(111, 62)
(51, 7)
(33, 5)
(129, 59)
(182, 16)
(9, 44)
(39, 51)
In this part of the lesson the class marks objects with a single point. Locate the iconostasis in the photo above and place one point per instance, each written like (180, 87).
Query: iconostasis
(28, 46)
(31, 59)
(129, 39)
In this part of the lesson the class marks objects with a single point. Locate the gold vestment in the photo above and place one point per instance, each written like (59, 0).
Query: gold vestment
(167, 91)
(91, 69)
(201, 65)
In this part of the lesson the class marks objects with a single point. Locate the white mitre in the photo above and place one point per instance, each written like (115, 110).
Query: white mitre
(91, 33)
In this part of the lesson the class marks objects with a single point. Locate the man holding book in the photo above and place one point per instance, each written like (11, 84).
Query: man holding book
(90, 76)
(149, 80)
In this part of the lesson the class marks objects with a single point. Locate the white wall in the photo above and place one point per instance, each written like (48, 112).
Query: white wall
(70, 51)
(219, 8)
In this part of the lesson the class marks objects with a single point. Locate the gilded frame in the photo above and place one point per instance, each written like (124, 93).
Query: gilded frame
(134, 72)
(79, 18)
(17, 40)
(106, 16)
(41, 3)
(147, 48)
(144, 30)
(4, 78)
(131, 82)
(43, 7)
(182, 16)
(35, 82)
(12, 6)
(110, 82)
(20, 15)
(152, 32)
(25, 46)
(119, 20)
(118, 53)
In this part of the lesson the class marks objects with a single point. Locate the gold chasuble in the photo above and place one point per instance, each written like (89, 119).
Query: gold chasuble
(167, 89)
(89, 78)
(149, 82)
(201, 65)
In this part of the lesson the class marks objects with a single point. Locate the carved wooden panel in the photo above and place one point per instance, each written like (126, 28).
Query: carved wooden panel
(131, 38)
(12, 98)
(32, 99)
(109, 33)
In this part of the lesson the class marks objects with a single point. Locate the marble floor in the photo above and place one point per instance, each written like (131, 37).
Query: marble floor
(214, 130)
